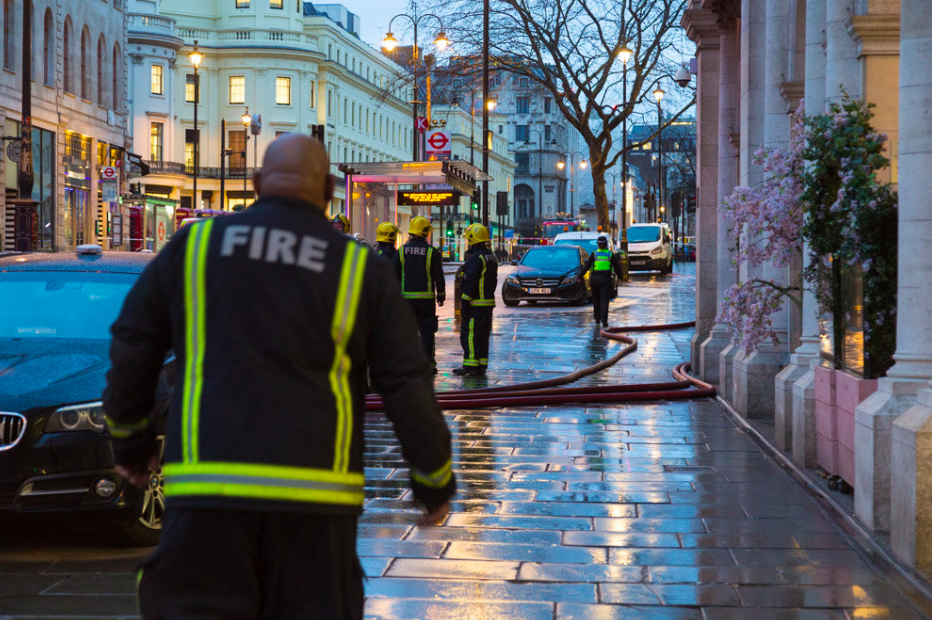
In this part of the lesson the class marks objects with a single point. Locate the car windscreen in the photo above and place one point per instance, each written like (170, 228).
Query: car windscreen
(61, 304)
(643, 234)
(589, 245)
(551, 258)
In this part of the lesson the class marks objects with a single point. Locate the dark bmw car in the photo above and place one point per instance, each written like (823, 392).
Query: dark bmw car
(549, 273)
(55, 454)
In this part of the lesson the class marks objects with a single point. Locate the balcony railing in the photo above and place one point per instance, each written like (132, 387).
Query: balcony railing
(153, 24)
(205, 172)
(246, 36)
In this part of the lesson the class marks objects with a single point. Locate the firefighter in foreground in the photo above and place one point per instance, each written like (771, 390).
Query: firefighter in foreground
(601, 264)
(419, 267)
(385, 236)
(480, 279)
(263, 466)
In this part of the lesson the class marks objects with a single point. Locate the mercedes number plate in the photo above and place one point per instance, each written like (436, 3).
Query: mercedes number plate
(638, 263)
(539, 291)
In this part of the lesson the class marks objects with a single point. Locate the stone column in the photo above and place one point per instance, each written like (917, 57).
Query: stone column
(720, 337)
(807, 356)
(761, 75)
(911, 519)
(701, 27)
(842, 70)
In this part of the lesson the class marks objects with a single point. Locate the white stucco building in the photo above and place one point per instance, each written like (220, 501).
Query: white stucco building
(297, 64)
(78, 113)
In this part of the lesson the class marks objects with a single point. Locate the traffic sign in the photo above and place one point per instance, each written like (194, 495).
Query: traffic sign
(161, 231)
(109, 173)
(108, 190)
(422, 124)
(438, 145)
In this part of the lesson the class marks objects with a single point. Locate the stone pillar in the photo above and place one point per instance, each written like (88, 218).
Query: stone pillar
(807, 356)
(702, 28)
(720, 337)
(842, 69)
(754, 372)
(911, 512)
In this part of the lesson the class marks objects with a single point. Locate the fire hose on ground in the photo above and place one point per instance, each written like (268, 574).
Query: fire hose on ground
(551, 392)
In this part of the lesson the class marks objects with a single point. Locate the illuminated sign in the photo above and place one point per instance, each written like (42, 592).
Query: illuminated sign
(436, 199)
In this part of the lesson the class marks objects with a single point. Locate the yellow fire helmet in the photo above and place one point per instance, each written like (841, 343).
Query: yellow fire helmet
(341, 223)
(476, 233)
(420, 226)
(386, 233)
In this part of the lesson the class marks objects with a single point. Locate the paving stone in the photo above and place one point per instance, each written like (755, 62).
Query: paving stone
(583, 573)
(526, 553)
(625, 612)
(453, 569)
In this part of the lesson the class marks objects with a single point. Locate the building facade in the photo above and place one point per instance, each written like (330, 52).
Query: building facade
(78, 114)
(756, 61)
(296, 64)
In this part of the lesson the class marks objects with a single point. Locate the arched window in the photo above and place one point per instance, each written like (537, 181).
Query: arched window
(524, 201)
(115, 77)
(85, 64)
(9, 37)
(101, 71)
(67, 58)
(48, 50)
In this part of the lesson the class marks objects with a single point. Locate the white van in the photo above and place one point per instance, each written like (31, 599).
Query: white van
(650, 248)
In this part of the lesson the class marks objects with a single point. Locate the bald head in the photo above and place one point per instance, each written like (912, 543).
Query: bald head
(296, 166)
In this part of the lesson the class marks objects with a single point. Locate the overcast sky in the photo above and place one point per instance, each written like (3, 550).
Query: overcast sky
(375, 15)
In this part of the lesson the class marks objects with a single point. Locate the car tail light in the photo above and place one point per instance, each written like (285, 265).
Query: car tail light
(12, 429)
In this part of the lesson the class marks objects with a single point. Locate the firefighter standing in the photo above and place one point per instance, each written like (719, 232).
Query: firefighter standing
(480, 279)
(419, 267)
(263, 467)
(385, 236)
(601, 264)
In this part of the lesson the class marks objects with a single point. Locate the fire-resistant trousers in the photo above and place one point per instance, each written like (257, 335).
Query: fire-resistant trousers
(425, 310)
(601, 284)
(475, 332)
(214, 564)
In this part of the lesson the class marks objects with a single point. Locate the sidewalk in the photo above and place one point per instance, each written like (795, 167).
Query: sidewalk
(661, 510)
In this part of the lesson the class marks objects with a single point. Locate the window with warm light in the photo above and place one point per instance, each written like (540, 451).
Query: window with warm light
(190, 88)
(157, 80)
(242, 4)
(276, 4)
(237, 89)
(313, 94)
(283, 90)
(156, 132)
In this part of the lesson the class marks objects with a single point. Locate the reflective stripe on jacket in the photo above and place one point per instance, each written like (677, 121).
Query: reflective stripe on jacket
(603, 260)
(480, 277)
(271, 315)
(420, 269)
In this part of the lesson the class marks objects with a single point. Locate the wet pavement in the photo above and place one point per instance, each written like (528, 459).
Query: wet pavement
(649, 510)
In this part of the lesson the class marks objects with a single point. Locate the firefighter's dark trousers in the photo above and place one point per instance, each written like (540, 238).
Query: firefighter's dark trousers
(425, 310)
(601, 283)
(214, 564)
(474, 335)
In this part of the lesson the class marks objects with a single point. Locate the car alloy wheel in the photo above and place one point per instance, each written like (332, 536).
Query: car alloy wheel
(153, 501)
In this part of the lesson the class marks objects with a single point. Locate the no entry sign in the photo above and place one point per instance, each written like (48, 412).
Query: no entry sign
(437, 145)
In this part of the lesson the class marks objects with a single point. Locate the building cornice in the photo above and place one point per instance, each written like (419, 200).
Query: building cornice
(876, 35)
(793, 93)
(727, 12)
(701, 27)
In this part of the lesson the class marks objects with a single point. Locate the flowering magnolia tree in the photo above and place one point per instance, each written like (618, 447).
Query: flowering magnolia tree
(851, 218)
(823, 190)
(767, 221)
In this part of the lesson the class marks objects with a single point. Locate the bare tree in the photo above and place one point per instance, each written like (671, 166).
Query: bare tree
(569, 48)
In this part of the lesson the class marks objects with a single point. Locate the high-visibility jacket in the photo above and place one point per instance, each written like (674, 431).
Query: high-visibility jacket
(273, 317)
(420, 269)
(603, 261)
(480, 277)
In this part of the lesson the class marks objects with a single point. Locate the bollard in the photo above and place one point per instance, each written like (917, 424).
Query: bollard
(624, 266)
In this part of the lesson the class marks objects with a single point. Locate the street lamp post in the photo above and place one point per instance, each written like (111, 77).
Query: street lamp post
(196, 57)
(390, 43)
(624, 55)
(247, 120)
(658, 95)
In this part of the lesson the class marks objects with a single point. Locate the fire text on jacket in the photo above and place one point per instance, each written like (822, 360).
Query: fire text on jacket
(274, 245)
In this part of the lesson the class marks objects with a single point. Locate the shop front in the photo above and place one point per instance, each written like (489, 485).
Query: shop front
(43, 190)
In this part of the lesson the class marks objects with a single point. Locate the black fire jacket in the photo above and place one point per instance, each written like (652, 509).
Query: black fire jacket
(420, 268)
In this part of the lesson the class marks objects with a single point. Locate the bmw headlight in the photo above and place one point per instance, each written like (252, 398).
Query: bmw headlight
(657, 250)
(85, 417)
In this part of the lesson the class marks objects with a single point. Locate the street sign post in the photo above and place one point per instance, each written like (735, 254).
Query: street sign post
(422, 124)
(438, 145)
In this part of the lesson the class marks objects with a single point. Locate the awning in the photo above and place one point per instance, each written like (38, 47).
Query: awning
(456, 173)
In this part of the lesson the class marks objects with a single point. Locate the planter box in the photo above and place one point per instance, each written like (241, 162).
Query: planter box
(850, 391)
(826, 419)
